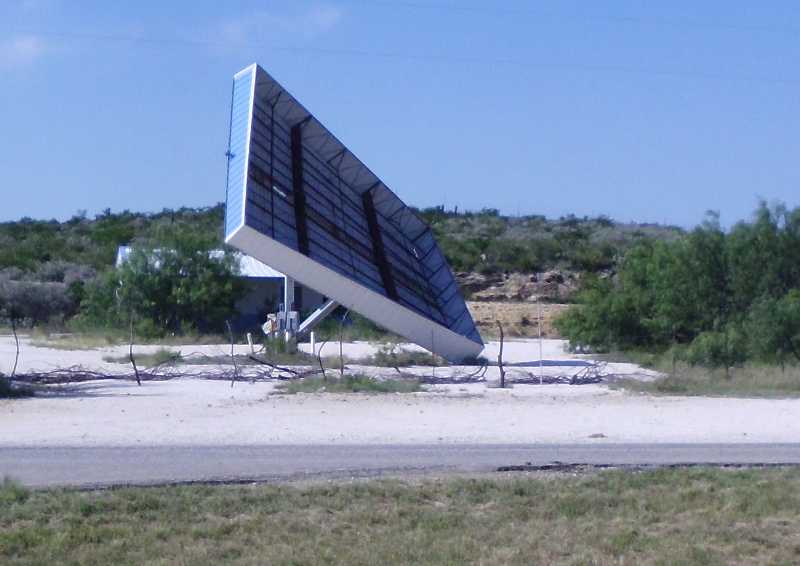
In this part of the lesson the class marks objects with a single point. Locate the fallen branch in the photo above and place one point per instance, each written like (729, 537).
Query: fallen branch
(293, 373)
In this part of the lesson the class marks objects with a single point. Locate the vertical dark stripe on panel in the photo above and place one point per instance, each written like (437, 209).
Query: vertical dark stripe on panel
(377, 246)
(272, 167)
(298, 189)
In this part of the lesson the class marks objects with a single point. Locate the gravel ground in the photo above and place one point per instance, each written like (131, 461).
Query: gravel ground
(206, 412)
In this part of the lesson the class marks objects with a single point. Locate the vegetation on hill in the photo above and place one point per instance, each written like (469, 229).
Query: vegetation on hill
(58, 271)
(34, 245)
(488, 242)
(717, 298)
(63, 271)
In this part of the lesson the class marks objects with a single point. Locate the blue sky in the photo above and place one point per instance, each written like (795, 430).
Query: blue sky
(637, 110)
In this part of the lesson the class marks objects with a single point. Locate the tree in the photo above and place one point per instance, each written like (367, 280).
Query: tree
(724, 348)
(774, 326)
(177, 283)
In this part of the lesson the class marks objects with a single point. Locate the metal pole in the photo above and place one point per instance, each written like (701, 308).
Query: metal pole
(288, 304)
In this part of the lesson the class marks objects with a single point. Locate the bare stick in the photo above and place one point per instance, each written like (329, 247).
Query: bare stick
(341, 349)
(433, 355)
(500, 357)
(130, 356)
(16, 341)
(539, 324)
(233, 356)
(319, 359)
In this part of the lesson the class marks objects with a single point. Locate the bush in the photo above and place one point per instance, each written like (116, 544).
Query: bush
(33, 302)
(390, 355)
(178, 286)
(722, 349)
(774, 326)
(717, 292)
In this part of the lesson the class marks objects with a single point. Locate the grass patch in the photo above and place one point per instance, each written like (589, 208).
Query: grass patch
(282, 359)
(355, 328)
(349, 384)
(91, 341)
(750, 380)
(639, 357)
(695, 516)
(390, 355)
(159, 357)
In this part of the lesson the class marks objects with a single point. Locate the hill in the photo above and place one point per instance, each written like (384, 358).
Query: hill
(484, 242)
(45, 264)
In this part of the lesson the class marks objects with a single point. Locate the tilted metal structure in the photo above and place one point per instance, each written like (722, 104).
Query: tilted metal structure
(301, 202)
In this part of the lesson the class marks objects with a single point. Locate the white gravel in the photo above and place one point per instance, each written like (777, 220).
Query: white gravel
(201, 412)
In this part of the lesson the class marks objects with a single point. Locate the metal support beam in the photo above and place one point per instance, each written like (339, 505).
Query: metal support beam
(299, 189)
(316, 317)
(377, 246)
(288, 305)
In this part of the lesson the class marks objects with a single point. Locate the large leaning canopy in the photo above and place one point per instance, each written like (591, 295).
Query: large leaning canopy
(301, 202)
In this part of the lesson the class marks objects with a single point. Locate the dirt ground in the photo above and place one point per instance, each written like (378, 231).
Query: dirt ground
(520, 319)
(190, 411)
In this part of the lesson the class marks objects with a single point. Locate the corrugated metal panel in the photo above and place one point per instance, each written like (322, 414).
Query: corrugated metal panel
(238, 142)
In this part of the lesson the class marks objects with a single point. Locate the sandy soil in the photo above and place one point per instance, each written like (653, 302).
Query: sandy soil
(202, 412)
(519, 318)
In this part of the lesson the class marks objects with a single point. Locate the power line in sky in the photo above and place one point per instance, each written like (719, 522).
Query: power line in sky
(421, 57)
(509, 11)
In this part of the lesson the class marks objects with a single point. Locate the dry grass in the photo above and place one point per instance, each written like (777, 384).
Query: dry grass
(520, 319)
(91, 341)
(159, 357)
(747, 381)
(698, 516)
(349, 384)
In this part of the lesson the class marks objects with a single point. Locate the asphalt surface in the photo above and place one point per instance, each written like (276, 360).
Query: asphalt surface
(100, 467)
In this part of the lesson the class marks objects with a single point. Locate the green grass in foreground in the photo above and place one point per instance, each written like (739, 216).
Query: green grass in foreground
(696, 516)
(747, 381)
(349, 384)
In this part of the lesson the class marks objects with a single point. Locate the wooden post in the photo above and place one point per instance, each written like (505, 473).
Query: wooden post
(539, 314)
(341, 347)
(500, 358)
(16, 341)
(130, 355)
(233, 356)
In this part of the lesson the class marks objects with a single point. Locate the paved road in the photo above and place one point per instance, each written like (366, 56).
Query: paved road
(88, 467)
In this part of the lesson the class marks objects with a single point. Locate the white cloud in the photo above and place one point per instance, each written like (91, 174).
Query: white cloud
(21, 50)
(307, 23)
(324, 18)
